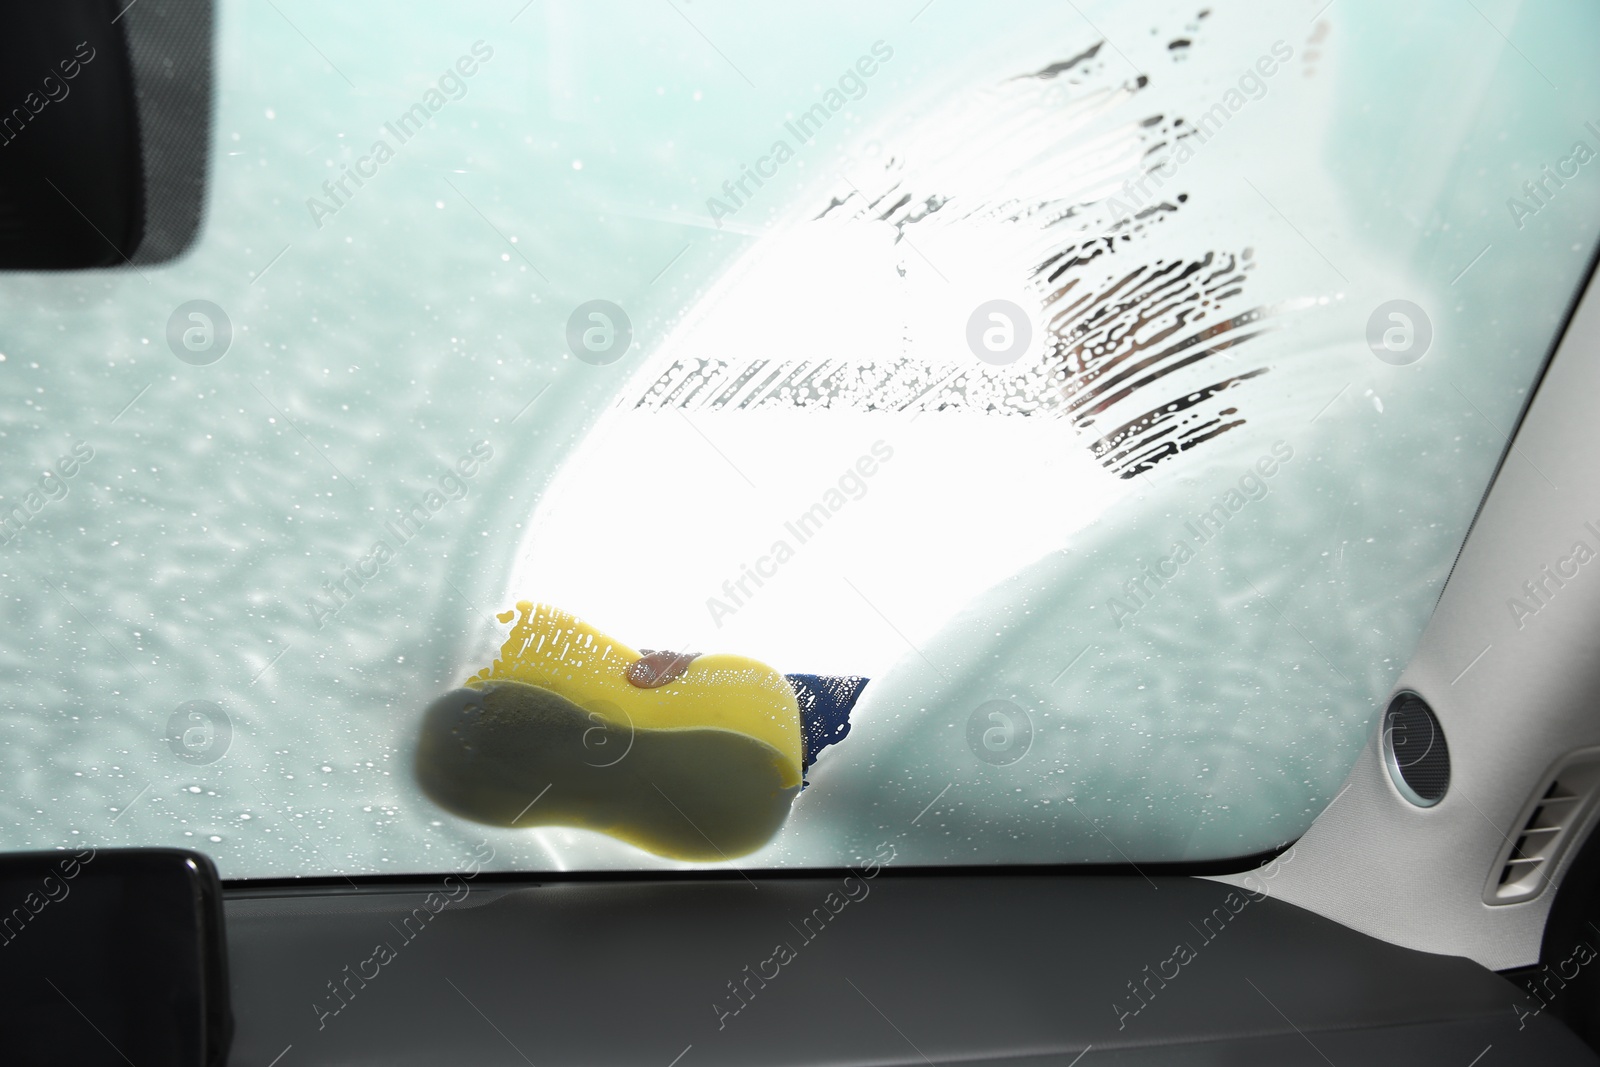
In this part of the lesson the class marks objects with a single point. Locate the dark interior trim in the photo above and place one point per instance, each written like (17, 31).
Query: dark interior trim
(245, 887)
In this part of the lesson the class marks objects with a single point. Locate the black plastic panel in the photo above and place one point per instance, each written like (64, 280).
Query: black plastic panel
(111, 957)
(71, 181)
(929, 969)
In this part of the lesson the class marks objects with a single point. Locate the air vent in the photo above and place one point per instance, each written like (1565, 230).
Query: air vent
(1415, 751)
(1561, 809)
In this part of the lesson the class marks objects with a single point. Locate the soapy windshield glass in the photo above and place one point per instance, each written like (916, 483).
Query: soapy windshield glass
(1052, 426)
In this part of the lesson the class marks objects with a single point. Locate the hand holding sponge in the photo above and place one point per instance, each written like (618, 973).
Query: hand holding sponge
(702, 766)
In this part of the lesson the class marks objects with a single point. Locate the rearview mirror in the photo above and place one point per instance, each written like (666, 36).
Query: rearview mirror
(105, 114)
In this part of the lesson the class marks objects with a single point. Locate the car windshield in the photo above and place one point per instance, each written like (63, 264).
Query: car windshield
(1052, 427)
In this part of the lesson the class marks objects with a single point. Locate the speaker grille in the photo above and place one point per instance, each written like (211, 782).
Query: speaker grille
(1415, 750)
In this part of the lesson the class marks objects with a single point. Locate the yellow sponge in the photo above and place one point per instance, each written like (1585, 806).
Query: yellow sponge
(702, 767)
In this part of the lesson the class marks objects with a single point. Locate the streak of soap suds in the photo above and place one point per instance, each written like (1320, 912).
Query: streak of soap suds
(1033, 158)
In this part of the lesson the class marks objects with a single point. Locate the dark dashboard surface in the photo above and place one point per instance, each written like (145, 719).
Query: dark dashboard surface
(843, 970)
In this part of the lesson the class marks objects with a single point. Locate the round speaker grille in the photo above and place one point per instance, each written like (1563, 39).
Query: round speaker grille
(1415, 750)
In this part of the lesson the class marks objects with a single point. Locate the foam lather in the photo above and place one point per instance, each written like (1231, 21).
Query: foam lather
(703, 767)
